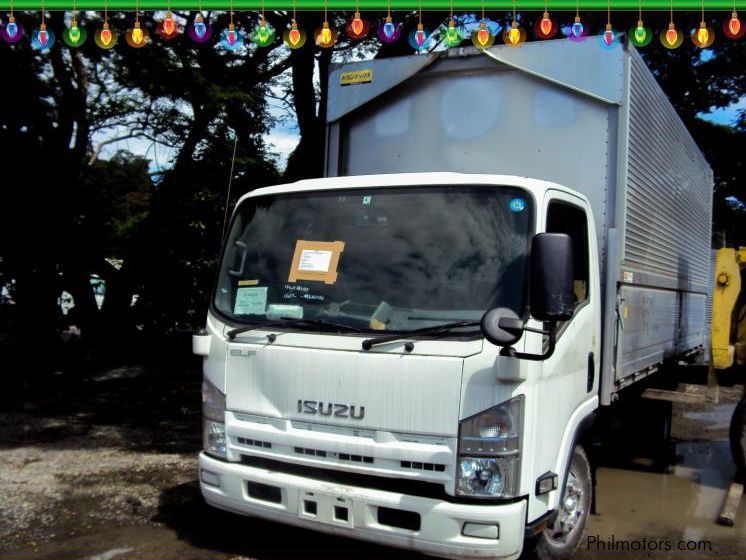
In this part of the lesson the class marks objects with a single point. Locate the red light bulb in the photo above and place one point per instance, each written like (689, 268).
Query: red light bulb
(106, 34)
(357, 24)
(43, 37)
(671, 35)
(169, 24)
(734, 25)
(546, 24)
(420, 35)
(483, 35)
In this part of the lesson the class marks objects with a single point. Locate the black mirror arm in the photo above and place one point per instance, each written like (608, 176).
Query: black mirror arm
(511, 352)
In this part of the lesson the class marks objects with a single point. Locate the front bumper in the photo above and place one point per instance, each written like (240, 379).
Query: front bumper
(441, 527)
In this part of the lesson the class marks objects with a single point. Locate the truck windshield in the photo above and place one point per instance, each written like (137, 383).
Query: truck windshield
(382, 259)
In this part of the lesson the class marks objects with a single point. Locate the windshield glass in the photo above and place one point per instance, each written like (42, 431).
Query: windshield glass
(379, 259)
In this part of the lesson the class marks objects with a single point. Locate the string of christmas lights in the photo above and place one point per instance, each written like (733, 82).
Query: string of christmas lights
(482, 33)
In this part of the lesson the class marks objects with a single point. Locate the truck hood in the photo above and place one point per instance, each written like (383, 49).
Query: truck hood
(376, 390)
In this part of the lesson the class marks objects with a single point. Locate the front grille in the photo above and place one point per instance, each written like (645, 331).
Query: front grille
(341, 456)
(423, 466)
(433, 490)
(255, 443)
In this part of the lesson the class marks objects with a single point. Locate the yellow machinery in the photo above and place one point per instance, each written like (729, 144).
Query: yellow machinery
(726, 318)
(728, 349)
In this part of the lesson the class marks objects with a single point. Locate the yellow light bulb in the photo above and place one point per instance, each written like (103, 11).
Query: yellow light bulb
(514, 34)
(702, 33)
(326, 34)
(137, 33)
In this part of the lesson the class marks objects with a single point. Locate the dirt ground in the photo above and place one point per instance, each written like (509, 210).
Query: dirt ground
(105, 468)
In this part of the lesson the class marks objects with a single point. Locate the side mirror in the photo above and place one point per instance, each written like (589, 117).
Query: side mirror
(502, 326)
(551, 294)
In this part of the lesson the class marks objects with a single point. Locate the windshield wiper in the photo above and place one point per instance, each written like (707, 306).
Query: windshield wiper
(437, 329)
(292, 321)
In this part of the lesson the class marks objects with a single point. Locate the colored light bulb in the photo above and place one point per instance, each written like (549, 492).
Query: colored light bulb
(452, 33)
(514, 34)
(734, 25)
(483, 35)
(231, 35)
(169, 25)
(419, 37)
(608, 35)
(106, 34)
(263, 32)
(672, 36)
(294, 35)
(546, 24)
(74, 32)
(326, 34)
(577, 27)
(702, 33)
(357, 24)
(12, 28)
(389, 28)
(43, 37)
(199, 26)
(137, 33)
(640, 32)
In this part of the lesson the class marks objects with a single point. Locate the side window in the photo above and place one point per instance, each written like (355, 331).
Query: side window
(566, 218)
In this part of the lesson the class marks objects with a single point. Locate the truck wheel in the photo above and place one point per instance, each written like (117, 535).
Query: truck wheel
(560, 541)
(738, 436)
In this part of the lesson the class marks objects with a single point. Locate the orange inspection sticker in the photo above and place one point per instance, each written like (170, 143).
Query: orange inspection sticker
(316, 261)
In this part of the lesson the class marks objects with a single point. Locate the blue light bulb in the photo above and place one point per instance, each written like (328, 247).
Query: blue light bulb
(388, 29)
(577, 27)
(11, 29)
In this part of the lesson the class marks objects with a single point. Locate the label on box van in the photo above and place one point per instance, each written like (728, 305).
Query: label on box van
(356, 77)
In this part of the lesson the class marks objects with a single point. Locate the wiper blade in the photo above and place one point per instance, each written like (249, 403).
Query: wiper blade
(292, 321)
(437, 329)
(318, 323)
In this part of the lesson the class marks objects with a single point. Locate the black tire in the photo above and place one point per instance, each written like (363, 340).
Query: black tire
(738, 436)
(554, 543)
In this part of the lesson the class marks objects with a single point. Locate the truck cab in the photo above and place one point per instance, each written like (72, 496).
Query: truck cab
(429, 438)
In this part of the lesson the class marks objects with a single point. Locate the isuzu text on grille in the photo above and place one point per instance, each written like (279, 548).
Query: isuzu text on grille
(331, 409)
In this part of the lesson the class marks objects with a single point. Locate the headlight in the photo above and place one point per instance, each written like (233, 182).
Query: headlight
(490, 451)
(213, 420)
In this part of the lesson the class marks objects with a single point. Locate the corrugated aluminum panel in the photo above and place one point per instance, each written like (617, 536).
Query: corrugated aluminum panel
(649, 320)
(668, 216)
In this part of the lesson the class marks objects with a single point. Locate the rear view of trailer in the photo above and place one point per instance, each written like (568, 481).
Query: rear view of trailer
(590, 119)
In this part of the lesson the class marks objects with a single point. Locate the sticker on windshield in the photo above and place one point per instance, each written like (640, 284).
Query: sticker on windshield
(367, 200)
(316, 261)
(517, 205)
(250, 301)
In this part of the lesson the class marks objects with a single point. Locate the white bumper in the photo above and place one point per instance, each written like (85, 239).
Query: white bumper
(441, 523)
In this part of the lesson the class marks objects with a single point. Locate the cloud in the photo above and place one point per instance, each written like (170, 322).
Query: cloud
(282, 141)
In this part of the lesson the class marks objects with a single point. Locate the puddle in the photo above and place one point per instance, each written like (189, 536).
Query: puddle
(679, 509)
(716, 418)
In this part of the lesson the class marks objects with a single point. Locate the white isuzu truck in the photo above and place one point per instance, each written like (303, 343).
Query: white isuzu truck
(413, 350)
